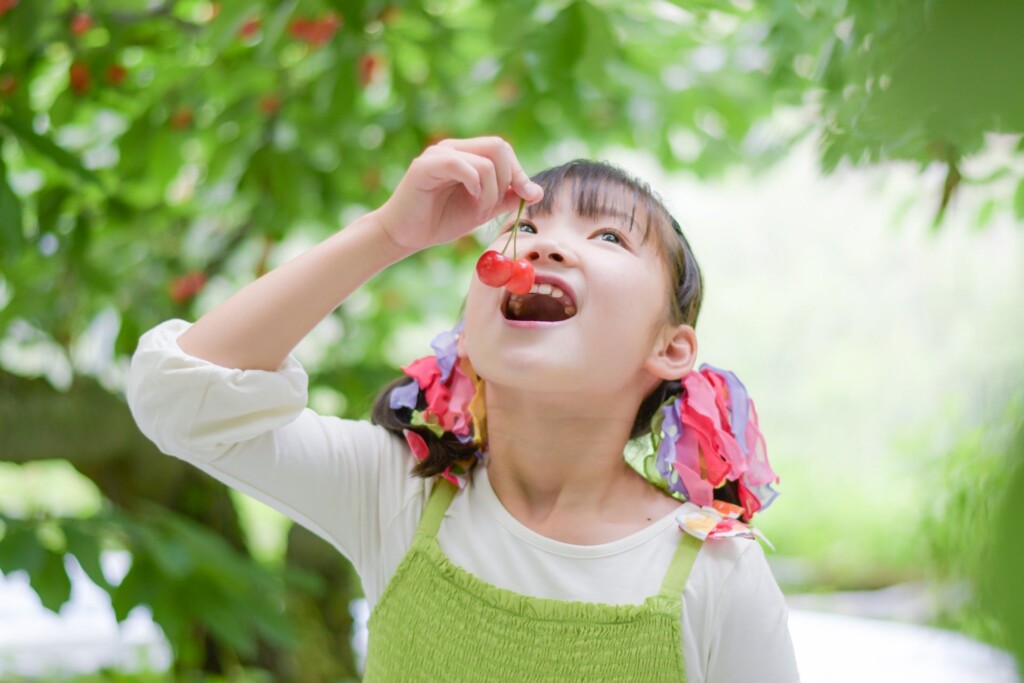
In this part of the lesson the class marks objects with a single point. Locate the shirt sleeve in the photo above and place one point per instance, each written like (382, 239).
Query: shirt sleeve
(750, 638)
(344, 480)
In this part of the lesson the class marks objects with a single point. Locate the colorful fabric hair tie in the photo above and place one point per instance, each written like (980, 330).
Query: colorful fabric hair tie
(454, 397)
(701, 439)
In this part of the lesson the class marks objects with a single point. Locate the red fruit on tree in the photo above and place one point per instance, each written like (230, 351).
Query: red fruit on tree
(8, 85)
(369, 65)
(81, 23)
(389, 15)
(522, 277)
(494, 269)
(435, 137)
(506, 89)
(181, 118)
(270, 104)
(250, 28)
(81, 78)
(299, 28)
(371, 179)
(6, 6)
(315, 32)
(186, 287)
(116, 74)
(331, 21)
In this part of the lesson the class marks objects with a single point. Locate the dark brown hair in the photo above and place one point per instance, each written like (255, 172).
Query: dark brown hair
(598, 188)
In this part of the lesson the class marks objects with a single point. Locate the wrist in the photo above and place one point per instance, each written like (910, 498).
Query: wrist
(376, 225)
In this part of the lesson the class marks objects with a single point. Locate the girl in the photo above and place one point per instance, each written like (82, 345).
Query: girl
(498, 529)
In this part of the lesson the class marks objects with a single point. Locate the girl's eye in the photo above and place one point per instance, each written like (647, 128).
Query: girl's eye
(526, 227)
(610, 236)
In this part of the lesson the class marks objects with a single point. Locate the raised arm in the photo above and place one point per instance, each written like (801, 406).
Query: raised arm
(448, 190)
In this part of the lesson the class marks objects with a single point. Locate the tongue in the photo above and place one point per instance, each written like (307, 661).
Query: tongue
(541, 308)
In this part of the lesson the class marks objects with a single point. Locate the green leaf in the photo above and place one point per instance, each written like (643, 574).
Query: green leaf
(1018, 200)
(50, 581)
(20, 548)
(558, 47)
(48, 148)
(87, 549)
(24, 23)
(985, 213)
(599, 45)
(12, 235)
(167, 552)
(224, 29)
(222, 617)
(137, 588)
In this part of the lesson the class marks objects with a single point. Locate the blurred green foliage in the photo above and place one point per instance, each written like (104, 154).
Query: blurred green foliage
(155, 156)
(971, 547)
(1002, 576)
(187, 575)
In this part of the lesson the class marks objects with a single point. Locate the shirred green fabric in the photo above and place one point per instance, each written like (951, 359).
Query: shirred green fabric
(437, 622)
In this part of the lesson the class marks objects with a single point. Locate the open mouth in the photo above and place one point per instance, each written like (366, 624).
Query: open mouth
(545, 302)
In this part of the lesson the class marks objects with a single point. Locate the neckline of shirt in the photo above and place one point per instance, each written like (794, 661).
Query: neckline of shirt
(481, 489)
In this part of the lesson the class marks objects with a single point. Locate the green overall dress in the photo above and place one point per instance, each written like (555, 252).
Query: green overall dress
(437, 622)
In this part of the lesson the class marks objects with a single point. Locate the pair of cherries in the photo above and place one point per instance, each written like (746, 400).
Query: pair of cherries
(498, 270)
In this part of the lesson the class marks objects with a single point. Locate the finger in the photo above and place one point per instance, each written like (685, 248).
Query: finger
(490, 193)
(446, 167)
(510, 171)
(495, 149)
(524, 187)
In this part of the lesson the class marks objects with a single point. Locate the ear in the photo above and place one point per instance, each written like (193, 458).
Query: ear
(674, 352)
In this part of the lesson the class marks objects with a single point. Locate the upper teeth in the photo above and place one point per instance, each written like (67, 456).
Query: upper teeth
(515, 302)
(547, 290)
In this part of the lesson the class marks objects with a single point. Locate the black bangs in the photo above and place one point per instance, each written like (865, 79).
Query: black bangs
(599, 189)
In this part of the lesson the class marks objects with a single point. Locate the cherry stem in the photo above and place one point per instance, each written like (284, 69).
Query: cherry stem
(515, 229)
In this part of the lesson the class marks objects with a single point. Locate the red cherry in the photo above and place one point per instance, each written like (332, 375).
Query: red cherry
(494, 269)
(250, 28)
(80, 77)
(506, 89)
(522, 277)
(6, 6)
(181, 118)
(315, 32)
(368, 67)
(371, 179)
(389, 15)
(116, 74)
(435, 137)
(186, 287)
(270, 104)
(8, 85)
(81, 23)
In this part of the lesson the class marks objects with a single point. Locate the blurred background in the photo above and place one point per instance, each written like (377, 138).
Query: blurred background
(849, 173)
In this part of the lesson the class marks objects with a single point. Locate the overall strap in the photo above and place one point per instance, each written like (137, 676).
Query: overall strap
(679, 569)
(440, 498)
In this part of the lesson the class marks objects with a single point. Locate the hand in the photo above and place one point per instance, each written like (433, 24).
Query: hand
(453, 187)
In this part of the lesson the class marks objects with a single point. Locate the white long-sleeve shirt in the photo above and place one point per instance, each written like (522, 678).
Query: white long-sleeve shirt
(350, 483)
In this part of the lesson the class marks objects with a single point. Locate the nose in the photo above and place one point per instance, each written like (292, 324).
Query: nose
(548, 250)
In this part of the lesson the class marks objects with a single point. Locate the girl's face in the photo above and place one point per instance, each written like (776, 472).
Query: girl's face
(596, 313)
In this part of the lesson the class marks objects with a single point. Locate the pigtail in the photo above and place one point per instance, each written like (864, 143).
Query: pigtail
(442, 452)
(664, 393)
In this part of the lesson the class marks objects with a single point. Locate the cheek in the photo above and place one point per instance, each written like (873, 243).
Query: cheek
(638, 312)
